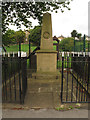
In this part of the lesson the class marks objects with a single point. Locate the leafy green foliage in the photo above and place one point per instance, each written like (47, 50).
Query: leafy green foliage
(67, 44)
(17, 13)
(35, 35)
(12, 37)
(79, 36)
(70, 107)
(9, 37)
(20, 36)
(74, 34)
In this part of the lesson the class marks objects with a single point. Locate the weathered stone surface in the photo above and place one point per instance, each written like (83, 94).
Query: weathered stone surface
(46, 56)
(46, 62)
(46, 35)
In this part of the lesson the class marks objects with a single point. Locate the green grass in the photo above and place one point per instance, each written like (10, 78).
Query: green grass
(59, 108)
(28, 64)
(24, 47)
(15, 48)
(59, 63)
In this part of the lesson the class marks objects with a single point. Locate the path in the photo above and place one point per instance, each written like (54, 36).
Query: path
(43, 93)
(45, 113)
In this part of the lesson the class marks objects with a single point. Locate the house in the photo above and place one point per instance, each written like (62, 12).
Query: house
(61, 37)
(76, 38)
(87, 38)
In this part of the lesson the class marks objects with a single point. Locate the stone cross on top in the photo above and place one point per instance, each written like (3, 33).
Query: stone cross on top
(46, 34)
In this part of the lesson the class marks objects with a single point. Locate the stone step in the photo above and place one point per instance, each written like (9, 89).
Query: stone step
(46, 76)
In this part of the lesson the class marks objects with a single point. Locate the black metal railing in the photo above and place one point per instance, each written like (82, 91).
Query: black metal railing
(14, 75)
(14, 79)
(75, 80)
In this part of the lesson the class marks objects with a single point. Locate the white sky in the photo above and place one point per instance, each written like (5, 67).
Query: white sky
(65, 23)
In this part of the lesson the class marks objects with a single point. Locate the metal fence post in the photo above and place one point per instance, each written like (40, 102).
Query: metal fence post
(62, 79)
(24, 78)
(29, 53)
(20, 48)
(88, 46)
(29, 47)
(84, 46)
(88, 81)
(74, 44)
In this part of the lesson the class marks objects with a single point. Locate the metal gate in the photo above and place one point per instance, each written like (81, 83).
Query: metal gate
(14, 79)
(75, 77)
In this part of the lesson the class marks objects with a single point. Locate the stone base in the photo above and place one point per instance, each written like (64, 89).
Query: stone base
(46, 61)
(46, 75)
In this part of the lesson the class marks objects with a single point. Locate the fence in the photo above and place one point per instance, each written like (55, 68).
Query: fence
(80, 46)
(75, 70)
(14, 78)
(75, 81)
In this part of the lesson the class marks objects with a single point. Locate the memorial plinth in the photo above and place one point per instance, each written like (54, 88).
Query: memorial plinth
(46, 61)
(46, 56)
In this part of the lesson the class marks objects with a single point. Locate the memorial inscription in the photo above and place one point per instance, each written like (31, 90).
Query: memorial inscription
(46, 35)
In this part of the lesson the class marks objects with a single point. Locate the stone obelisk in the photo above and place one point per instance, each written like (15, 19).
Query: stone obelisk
(46, 56)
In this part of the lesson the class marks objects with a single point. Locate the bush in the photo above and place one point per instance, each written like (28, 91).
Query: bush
(67, 44)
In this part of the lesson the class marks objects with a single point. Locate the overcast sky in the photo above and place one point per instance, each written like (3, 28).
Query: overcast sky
(64, 23)
(76, 18)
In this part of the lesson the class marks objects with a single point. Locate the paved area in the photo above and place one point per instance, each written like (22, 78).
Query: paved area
(45, 113)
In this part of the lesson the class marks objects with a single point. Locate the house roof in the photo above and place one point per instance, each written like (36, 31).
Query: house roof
(61, 36)
(55, 38)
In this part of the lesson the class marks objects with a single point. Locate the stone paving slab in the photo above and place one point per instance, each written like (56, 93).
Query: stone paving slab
(38, 87)
(39, 100)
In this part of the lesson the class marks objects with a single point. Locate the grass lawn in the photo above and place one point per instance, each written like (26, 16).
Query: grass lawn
(24, 47)
(15, 48)
(65, 65)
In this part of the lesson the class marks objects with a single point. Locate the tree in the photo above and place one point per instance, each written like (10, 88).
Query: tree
(17, 13)
(9, 37)
(67, 44)
(79, 36)
(12, 37)
(35, 35)
(74, 33)
(20, 36)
